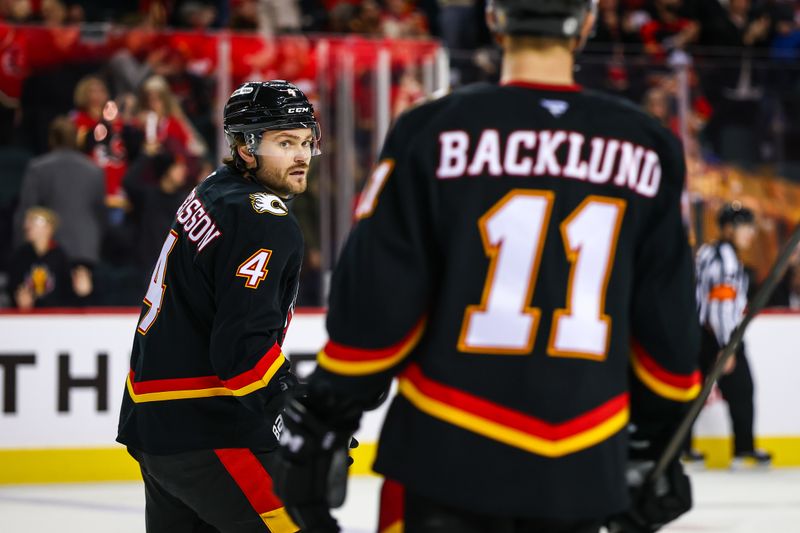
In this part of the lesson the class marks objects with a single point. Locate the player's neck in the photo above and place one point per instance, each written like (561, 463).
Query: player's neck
(549, 66)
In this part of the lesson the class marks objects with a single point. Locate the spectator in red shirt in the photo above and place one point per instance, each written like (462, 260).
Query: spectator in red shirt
(403, 20)
(163, 121)
(100, 130)
(91, 95)
(668, 30)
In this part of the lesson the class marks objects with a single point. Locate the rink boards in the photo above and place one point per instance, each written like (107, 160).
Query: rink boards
(63, 376)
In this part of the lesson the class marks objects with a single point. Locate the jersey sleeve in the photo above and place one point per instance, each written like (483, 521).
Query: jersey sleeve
(381, 285)
(254, 270)
(665, 327)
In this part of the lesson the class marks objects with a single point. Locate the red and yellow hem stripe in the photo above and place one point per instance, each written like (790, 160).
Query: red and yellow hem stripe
(351, 361)
(511, 427)
(677, 387)
(249, 381)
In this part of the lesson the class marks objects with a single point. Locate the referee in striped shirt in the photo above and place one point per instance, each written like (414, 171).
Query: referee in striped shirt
(722, 285)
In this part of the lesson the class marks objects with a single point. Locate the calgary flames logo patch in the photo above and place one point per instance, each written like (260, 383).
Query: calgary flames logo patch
(268, 203)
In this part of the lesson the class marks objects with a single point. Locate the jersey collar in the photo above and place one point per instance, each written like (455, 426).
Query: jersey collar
(571, 88)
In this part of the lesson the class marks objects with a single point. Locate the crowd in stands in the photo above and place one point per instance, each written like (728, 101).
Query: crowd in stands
(743, 67)
(108, 117)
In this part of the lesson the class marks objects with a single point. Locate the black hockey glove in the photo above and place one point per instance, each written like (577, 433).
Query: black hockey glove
(311, 476)
(288, 386)
(653, 504)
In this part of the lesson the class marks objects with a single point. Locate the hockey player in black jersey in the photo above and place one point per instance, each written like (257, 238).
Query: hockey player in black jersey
(521, 267)
(207, 373)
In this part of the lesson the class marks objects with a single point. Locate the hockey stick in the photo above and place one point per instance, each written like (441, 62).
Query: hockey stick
(759, 301)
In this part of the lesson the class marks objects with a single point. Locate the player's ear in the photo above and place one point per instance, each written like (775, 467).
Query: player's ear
(245, 154)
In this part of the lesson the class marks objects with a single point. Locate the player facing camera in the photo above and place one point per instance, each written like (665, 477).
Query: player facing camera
(216, 311)
(272, 134)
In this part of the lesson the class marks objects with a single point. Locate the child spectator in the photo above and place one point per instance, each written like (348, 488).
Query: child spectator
(39, 272)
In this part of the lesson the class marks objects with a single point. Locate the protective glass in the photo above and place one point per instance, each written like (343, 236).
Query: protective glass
(256, 147)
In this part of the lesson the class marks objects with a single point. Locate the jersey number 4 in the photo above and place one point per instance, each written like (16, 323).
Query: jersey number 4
(253, 269)
(513, 233)
(157, 287)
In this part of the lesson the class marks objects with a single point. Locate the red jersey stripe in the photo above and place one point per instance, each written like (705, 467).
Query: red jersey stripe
(256, 373)
(342, 352)
(512, 418)
(682, 381)
(239, 381)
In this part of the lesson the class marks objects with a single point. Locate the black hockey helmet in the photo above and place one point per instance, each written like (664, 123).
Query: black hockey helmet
(269, 105)
(541, 18)
(734, 213)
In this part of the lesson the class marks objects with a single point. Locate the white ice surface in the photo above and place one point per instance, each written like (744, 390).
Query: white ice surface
(730, 502)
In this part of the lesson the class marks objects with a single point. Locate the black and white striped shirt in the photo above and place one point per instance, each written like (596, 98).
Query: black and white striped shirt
(721, 288)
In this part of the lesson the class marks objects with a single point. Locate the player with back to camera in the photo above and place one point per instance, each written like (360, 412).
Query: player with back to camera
(207, 373)
(521, 266)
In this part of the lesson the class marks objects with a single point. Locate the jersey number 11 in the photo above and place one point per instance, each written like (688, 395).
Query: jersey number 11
(513, 233)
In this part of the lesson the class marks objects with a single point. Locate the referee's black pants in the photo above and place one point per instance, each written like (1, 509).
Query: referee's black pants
(211, 491)
(737, 390)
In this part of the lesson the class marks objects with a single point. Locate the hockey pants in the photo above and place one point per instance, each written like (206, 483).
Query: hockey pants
(211, 491)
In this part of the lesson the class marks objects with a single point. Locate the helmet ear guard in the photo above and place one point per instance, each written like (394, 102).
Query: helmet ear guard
(236, 140)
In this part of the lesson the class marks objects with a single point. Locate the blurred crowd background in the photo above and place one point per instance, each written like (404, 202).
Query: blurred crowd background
(110, 113)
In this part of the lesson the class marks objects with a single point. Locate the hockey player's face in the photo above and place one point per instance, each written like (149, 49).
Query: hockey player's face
(285, 157)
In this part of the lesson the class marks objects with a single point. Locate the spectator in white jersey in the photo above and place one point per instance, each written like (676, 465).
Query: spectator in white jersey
(722, 284)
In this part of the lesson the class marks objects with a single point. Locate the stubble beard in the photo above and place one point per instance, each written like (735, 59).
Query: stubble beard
(281, 182)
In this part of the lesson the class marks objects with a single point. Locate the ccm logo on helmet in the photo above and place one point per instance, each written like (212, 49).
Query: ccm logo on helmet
(299, 110)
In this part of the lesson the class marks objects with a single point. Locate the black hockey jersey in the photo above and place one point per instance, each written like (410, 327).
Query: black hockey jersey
(519, 254)
(207, 350)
